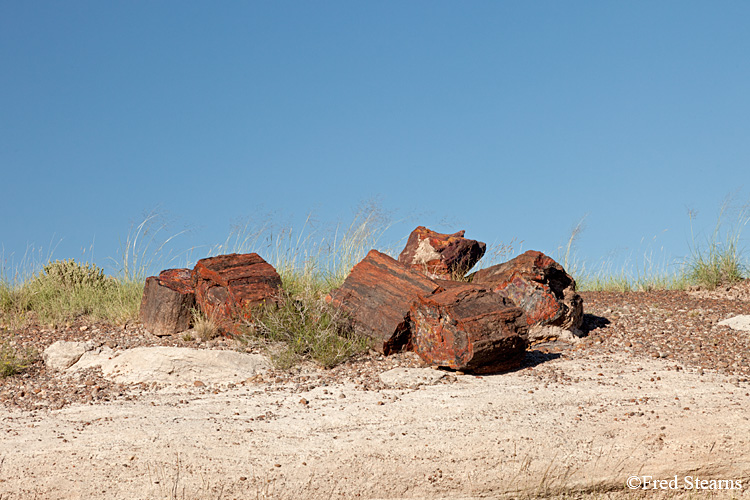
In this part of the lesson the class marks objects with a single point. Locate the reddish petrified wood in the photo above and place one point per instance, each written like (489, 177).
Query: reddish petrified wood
(444, 256)
(229, 285)
(167, 302)
(469, 328)
(538, 285)
(377, 295)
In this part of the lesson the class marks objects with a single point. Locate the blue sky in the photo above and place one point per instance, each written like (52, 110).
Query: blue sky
(507, 119)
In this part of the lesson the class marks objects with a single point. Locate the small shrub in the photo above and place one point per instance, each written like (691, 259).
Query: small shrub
(70, 275)
(204, 326)
(717, 262)
(65, 290)
(13, 362)
(305, 326)
(714, 267)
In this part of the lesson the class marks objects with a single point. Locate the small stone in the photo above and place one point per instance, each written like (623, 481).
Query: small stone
(198, 383)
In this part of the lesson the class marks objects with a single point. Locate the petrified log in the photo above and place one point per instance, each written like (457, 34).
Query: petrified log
(228, 286)
(469, 328)
(538, 285)
(377, 295)
(444, 256)
(167, 302)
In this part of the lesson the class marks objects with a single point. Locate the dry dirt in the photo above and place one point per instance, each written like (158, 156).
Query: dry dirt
(657, 388)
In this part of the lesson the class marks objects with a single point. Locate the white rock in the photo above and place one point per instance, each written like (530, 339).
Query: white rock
(411, 377)
(741, 322)
(63, 354)
(546, 333)
(174, 365)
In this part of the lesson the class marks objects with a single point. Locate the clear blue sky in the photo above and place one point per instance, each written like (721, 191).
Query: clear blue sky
(507, 119)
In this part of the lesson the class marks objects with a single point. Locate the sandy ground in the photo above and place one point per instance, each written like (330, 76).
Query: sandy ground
(562, 425)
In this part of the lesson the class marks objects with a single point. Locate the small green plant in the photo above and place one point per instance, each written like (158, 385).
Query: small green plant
(304, 326)
(652, 271)
(63, 290)
(12, 361)
(69, 275)
(718, 262)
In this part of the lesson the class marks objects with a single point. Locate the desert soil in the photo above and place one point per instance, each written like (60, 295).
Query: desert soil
(656, 388)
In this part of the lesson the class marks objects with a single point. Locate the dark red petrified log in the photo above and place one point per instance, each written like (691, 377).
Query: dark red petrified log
(538, 285)
(167, 302)
(230, 285)
(469, 328)
(444, 256)
(377, 295)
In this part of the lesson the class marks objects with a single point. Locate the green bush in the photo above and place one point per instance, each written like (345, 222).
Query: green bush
(68, 275)
(718, 262)
(12, 362)
(64, 290)
(304, 326)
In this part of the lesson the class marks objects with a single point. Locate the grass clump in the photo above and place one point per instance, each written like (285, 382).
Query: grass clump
(12, 361)
(304, 326)
(301, 325)
(68, 275)
(718, 262)
(204, 327)
(56, 292)
(65, 290)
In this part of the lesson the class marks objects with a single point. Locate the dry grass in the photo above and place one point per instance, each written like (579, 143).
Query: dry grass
(714, 261)
(304, 326)
(205, 327)
(718, 260)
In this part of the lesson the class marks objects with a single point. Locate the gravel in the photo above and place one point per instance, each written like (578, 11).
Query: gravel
(676, 325)
(680, 326)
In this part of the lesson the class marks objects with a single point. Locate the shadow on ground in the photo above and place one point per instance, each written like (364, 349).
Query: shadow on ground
(593, 322)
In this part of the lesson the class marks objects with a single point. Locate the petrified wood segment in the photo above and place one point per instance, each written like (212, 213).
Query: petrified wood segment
(444, 256)
(469, 328)
(228, 285)
(538, 285)
(377, 294)
(167, 302)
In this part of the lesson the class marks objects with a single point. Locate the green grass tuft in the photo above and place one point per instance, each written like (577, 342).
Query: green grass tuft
(51, 301)
(304, 326)
(13, 360)
(718, 262)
